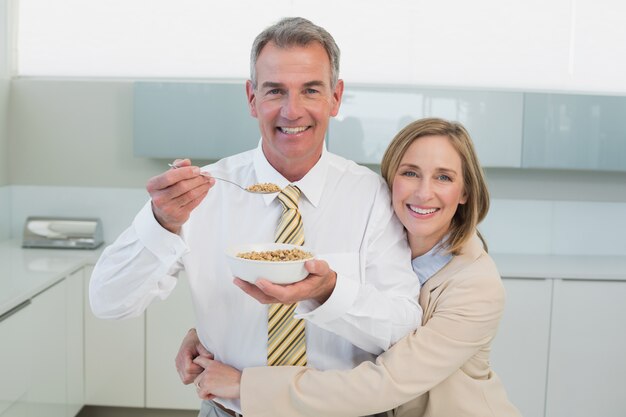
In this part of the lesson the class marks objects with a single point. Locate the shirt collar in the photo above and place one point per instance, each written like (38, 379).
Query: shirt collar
(428, 264)
(311, 185)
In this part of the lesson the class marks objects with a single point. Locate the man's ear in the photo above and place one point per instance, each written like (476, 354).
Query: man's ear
(337, 94)
(251, 93)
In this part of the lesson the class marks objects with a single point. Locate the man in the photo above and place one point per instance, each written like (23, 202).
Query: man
(360, 295)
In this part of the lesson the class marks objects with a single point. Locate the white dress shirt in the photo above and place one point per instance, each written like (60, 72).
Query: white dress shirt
(348, 221)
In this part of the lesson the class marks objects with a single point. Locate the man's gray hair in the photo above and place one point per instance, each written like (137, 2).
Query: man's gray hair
(296, 31)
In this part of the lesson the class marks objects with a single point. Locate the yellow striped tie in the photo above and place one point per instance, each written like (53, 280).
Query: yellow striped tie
(286, 341)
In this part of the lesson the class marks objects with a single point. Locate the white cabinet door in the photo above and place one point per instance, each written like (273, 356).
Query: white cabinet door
(114, 359)
(41, 354)
(588, 349)
(520, 350)
(74, 352)
(47, 361)
(14, 341)
(167, 322)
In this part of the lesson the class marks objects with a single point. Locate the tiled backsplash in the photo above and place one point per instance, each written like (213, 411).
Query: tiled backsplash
(512, 226)
(115, 206)
(556, 227)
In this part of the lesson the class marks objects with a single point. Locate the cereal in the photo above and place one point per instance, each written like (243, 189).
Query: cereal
(264, 187)
(279, 255)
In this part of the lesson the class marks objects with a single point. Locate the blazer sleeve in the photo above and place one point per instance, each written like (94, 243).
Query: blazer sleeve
(465, 319)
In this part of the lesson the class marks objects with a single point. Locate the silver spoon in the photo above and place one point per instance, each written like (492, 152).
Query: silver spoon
(206, 174)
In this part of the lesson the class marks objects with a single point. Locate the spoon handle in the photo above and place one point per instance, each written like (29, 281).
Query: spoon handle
(206, 174)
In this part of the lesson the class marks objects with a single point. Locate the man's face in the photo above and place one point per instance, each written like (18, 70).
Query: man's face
(293, 102)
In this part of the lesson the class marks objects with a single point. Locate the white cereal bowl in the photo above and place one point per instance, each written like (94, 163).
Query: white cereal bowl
(277, 272)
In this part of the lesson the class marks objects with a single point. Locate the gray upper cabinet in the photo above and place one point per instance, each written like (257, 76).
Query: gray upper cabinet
(370, 117)
(510, 129)
(197, 120)
(569, 131)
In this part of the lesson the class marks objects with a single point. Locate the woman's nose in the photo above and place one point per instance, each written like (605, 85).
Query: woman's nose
(424, 190)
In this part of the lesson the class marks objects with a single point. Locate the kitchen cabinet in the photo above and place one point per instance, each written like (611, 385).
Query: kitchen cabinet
(41, 353)
(560, 346)
(167, 322)
(370, 117)
(74, 352)
(130, 362)
(510, 129)
(114, 358)
(586, 365)
(14, 355)
(196, 120)
(520, 350)
(47, 361)
(570, 131)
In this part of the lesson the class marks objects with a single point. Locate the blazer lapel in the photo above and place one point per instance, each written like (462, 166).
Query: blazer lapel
(470, 252)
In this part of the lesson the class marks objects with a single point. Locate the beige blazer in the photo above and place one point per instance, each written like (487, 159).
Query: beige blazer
(439, 370)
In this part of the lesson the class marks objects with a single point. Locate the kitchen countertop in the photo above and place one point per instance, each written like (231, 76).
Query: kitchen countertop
(561, 266)
(24, 273)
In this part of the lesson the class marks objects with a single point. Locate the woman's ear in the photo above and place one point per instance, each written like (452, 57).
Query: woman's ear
(463, 199)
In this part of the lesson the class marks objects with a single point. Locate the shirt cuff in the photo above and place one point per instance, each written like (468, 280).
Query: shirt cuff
(158, 240)
(340, 301)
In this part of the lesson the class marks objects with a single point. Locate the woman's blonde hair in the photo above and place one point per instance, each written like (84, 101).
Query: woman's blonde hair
(468, 215)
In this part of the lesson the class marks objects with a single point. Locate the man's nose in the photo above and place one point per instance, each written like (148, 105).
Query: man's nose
(292, 107)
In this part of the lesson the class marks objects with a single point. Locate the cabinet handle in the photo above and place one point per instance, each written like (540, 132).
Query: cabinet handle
(14, 310)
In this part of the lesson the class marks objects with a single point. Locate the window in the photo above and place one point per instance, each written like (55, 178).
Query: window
(145, 38)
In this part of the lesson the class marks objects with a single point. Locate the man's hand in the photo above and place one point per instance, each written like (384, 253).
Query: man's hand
(217, 380)
(176, 192)
(318, 286)
(190, 349)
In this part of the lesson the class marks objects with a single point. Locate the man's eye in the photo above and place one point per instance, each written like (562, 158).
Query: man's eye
(274, 91)
(311, 91)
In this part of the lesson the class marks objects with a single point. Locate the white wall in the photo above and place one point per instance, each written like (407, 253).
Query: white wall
(5, 212)
(76, 133)
(557, 45)
(563, 45)
(4, 91)
(5, 203)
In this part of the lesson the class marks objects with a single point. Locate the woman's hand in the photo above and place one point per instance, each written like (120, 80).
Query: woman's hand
(190, 348)
(217, 380)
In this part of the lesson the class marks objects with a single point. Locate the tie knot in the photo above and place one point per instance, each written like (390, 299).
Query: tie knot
(289, 197)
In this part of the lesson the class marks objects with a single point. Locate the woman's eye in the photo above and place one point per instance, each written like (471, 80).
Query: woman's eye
(409, 174)
(444, 177)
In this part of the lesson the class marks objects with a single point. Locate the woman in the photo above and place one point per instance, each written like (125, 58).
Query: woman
(442, 368)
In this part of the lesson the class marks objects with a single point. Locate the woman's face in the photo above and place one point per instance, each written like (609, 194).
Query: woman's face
(427, 189)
